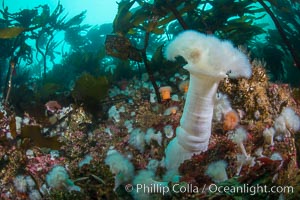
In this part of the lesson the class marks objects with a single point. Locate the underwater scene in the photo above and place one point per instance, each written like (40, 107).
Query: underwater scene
(149, 99)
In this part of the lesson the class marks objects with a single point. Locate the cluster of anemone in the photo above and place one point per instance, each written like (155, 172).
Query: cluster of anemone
(209, 60)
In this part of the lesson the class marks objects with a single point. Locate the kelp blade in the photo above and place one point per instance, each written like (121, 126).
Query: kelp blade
(10, 32)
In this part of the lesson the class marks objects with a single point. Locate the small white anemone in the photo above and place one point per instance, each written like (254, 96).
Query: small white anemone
(128, 125)
(243, 160)
(137, 139)
(58, 178)
(217, 171)
(280, 125)
(168, 130)
(238, 137)
(85, 161)
(269, 135)
(114, 113)
(175, 97)
(151, 135)
(287, 119)
(276, 156)
(30, 182)
(120, 166)
(20, 183)
(152, 98)
(222, 106)
(18, 124)
(259, 152)
(291, 119)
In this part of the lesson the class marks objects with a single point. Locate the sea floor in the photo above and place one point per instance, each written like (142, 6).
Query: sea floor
(71, 155)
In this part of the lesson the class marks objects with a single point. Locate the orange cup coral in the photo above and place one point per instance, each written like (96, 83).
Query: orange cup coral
(165, 92)
(231, 120)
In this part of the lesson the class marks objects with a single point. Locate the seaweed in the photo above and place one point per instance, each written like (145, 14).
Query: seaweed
(34, 133)
(121, 47)
(282, 31)
(39, 25)
(138, 29)
(90, 90)
(10, 32)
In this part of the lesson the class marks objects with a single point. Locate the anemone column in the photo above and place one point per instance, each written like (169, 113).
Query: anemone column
(195, 123)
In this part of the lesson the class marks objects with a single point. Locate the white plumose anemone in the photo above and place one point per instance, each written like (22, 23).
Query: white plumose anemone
(209, 60)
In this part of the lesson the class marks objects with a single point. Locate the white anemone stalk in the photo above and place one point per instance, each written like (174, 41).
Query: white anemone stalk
(209, 60)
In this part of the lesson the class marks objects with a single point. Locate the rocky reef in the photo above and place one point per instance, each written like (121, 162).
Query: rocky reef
(139, 129)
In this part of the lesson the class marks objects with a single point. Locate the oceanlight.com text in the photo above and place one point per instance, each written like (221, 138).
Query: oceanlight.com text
(252, 190)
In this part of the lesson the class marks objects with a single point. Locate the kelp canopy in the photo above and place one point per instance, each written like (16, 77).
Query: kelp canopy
(151, 23)
(141, 28)
(33, 51)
